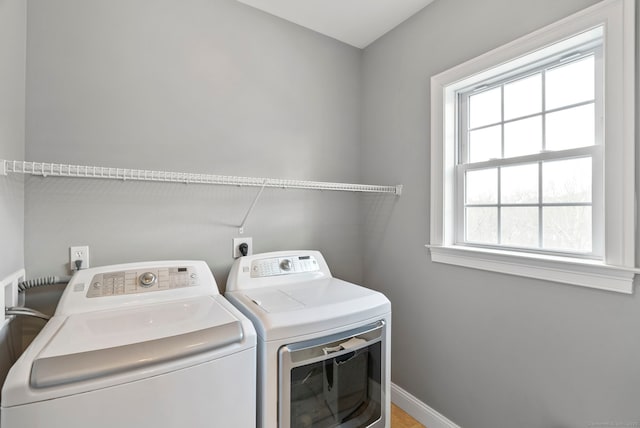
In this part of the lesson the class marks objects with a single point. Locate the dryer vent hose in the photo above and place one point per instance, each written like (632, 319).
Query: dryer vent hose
(42, 281)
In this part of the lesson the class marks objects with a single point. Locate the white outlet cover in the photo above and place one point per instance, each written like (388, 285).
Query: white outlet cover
(84, 249)
(9, 291)
(236, 243)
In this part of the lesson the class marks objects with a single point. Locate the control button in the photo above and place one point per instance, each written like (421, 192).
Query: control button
(285, 264)
(147, 279)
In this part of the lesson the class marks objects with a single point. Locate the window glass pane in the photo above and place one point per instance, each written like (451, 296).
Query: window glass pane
(519, 226)
(519, 184)
(523, 97)
(482, 186)
(485, 144)
(571, 128)
(485, 108)
(570, 84)
(567, 229)
(566, 181)
(523, 137)
(482, 225)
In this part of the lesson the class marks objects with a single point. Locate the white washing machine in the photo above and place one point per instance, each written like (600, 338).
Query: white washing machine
(132, 345)
(323, 343)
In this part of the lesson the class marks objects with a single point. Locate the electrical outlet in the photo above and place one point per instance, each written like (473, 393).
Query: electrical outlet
(79, 253)
(236, 246)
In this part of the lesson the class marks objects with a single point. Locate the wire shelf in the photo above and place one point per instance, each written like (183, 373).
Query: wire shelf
(48, 169)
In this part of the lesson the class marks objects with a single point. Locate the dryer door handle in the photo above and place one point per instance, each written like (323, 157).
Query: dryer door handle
(65, 369)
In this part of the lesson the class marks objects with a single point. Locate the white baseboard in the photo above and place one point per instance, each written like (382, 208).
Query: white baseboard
(418, 410)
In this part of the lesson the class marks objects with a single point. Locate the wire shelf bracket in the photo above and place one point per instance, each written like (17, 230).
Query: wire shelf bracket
(250, 210)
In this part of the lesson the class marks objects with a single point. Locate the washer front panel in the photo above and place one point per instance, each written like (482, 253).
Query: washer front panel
(141, 281)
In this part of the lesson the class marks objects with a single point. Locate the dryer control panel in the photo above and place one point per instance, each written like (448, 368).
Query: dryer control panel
(283, 266)
(141, 281)
(277, 268)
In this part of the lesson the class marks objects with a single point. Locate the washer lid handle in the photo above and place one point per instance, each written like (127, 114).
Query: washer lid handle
(82, 366)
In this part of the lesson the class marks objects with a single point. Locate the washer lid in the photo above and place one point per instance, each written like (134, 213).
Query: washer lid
(307, 307)
(104, 343)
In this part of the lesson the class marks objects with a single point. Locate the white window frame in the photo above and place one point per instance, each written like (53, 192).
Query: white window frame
(616, 270)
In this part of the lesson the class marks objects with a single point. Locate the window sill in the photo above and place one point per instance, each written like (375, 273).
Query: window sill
(585, 273)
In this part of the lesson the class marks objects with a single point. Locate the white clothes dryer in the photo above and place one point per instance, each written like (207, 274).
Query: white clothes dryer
(142, 344)
(323, 343)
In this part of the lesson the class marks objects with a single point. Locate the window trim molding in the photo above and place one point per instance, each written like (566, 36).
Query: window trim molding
(582, 272)
(616, 272)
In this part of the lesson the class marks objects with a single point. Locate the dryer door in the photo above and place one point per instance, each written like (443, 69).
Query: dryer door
(334, 381)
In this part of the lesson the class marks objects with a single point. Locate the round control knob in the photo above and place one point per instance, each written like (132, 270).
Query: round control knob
(147, 279)
(285, 264)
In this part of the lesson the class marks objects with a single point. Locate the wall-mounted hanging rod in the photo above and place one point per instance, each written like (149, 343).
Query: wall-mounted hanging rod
(47, 169)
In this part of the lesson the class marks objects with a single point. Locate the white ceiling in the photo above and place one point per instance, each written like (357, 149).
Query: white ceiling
(356, 22)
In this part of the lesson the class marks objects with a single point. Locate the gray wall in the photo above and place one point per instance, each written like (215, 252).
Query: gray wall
(486, 350)
(12, 128)
(13, 33)
(196, 86)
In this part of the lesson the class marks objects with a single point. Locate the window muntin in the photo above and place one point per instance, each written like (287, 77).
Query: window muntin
(526, 148)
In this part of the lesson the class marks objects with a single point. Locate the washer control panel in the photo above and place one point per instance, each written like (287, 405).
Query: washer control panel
(142, 281)
(283, 266)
